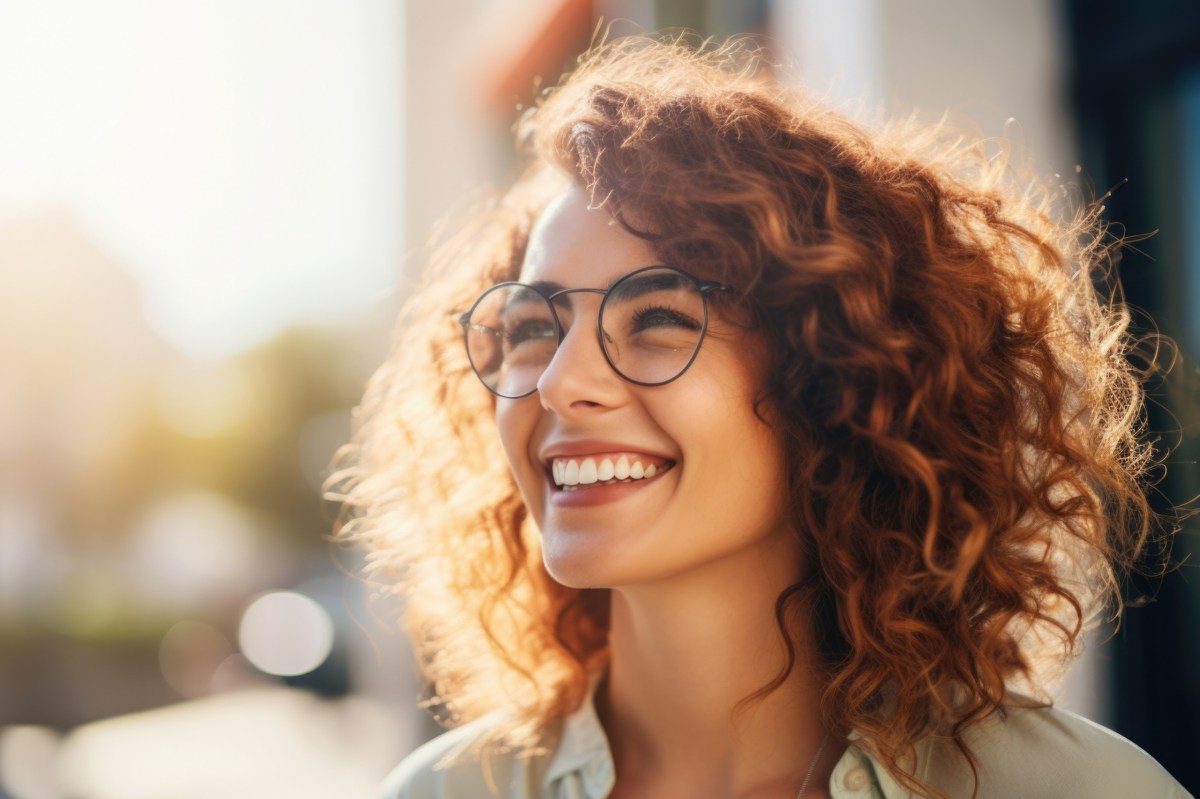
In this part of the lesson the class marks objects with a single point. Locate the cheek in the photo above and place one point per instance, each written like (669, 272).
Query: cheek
(733, 446)
(511, 424)
(515, 421)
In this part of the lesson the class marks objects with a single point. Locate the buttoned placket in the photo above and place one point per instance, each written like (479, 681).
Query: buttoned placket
(853, 777)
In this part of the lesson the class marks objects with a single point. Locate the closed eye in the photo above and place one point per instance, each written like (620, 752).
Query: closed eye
(661, 316)
(528, 331)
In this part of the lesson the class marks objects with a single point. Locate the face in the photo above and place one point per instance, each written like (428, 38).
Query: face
(706, 485)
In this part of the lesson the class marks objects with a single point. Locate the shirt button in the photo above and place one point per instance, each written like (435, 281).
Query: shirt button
(856, 779)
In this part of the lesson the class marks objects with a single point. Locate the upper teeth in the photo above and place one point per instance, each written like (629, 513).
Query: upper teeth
(583, 471)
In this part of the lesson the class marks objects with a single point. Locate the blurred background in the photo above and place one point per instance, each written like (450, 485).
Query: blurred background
(208, 216)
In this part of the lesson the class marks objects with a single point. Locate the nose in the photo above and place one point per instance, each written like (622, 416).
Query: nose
(579, 377)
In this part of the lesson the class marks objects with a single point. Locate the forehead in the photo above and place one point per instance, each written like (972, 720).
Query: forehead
(577, 246)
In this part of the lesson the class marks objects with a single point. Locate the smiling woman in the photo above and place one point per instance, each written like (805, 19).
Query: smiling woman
(781, 459)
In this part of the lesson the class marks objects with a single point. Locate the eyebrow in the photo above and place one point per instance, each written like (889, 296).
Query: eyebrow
(647, 284)
(514, 300)
(546, 287)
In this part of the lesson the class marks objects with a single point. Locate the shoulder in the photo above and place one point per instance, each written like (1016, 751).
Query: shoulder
(421, 773)
(1047, 752)
(459, 765)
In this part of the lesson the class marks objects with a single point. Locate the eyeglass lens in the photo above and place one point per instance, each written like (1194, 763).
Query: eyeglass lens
(651, 325)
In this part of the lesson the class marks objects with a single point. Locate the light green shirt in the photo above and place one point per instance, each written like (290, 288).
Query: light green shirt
(1040, 753)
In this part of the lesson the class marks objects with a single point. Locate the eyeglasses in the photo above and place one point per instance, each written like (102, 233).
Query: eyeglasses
(650, 326)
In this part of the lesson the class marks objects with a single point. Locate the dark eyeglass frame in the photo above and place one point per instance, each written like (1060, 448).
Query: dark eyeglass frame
(705, 287)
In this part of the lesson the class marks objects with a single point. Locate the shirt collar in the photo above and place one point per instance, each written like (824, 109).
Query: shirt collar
(583, 749)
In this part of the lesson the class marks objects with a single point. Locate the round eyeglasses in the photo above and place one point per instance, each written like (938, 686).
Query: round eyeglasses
(650, 326)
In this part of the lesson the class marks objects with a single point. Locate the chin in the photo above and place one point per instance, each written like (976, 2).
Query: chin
(576, 567)
(581, 567)
(581, 559)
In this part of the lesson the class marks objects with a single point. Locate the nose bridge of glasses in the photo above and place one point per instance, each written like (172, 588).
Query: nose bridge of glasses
(566, 308)
(578, 354)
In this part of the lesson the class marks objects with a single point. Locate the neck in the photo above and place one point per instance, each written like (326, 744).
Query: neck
(684, 658)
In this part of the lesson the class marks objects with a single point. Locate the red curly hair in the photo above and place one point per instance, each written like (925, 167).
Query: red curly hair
(956, 397)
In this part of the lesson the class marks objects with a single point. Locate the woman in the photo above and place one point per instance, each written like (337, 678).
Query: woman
(801, 459)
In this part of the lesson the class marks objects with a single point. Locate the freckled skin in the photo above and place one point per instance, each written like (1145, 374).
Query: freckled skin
(723, 502)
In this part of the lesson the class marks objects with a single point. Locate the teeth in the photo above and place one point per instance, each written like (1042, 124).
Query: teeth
(588, 471)
(605, 472)
(621, 470)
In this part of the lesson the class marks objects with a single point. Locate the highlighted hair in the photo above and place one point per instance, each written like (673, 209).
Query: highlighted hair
(956, 396)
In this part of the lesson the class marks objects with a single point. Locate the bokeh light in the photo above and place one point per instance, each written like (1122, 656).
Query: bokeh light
(191, 548)
(190, 655)
(286, 634)
(27, 757)
(265, 742)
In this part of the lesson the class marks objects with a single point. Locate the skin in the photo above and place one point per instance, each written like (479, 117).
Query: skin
(695, 558)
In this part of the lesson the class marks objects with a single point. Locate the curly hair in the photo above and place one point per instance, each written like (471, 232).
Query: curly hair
(951, 380)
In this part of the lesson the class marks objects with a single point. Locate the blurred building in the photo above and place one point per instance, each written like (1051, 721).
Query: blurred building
(79, 368)
(1135, 90)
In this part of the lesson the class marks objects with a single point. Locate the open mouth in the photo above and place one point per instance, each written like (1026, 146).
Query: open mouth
(575, 474)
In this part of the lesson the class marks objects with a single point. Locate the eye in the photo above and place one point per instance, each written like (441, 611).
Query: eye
(654, 316)
(529, 330)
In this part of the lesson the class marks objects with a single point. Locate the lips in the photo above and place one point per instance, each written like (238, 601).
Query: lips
(585, 471)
